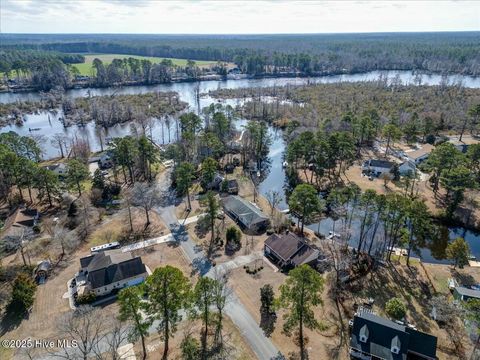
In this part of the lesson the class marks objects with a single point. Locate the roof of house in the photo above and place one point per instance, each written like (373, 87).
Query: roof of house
(380, 163)
(424, 150)
(466, 140)
(291, 247)
(383, 334)
(25, 217)
(111, 266)
(467, 292)
(245, 212)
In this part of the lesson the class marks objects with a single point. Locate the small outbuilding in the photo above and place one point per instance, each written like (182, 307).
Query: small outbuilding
(42, 270)
(232, 186)
(250, 218)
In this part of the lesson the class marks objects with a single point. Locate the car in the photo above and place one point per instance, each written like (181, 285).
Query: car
(221, 215)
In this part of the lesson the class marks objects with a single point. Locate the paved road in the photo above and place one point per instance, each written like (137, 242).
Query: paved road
(250, 330)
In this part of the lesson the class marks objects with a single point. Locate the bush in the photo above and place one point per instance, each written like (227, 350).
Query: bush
(395, 308)
(23, 293)
(233, 237)
(86, 298)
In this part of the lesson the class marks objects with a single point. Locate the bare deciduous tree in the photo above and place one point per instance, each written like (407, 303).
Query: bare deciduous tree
(145, 196)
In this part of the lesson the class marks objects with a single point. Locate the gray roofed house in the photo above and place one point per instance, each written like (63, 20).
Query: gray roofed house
(374, 337)
(289, 250)
(377, 167)
(248, 216)
(108, 270)
(465, 294)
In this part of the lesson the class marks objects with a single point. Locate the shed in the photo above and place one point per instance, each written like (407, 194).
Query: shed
(42, 270)
(249, 217)
(232, 186)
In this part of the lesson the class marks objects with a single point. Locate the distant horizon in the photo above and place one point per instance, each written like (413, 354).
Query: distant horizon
(246, 34)
(263, 17)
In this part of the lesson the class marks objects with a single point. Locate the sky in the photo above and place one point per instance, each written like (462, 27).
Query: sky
(235, 17)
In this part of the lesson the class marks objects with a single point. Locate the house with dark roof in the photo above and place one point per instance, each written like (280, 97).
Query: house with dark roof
(288, 251)
(464, 294)
(378, 167)
(106, 271)
(374, 337)
(250, 218)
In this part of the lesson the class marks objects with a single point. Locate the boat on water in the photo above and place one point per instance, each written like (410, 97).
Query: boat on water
(33, 129)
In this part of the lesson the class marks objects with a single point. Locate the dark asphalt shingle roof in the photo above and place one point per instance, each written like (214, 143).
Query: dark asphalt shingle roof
(468, 292)
(111, 266)
(291, 247)
(381, 334)
(242, 210)
(381, 163)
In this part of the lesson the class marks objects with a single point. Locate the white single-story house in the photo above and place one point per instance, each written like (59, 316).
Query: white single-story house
(60, 169)
(378, 167)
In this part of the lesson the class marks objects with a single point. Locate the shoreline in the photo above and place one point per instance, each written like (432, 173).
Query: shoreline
(217, 77)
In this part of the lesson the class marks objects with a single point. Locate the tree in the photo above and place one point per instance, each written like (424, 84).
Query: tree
(267, 313)
(455, 181)
(86, 327)
(124, 154)
(147, 156)
(208, 171)
(23, 293)
(146, 196)
(98, 181)
(190, 348)
(212, 211)
(131, 309)
(266, 298)
(444, 157)
(184, 179)
(274, 198)
(304, 202)
(204, 299)
(48, 185)
(76, 173)
(459, 252)
(391, 133)
(299, 295)
(395, 308)
(168, 292)
(233, 237)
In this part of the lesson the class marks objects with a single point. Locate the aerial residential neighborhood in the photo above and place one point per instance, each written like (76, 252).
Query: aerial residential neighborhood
(193, 180)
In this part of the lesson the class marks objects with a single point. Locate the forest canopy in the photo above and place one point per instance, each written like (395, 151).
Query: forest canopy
(306, 53)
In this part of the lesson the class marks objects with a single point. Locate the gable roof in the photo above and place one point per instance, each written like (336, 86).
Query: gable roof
(381, 163)
(383, 333)
(291, 247)
(242, 210)
(111, 266)
(461, 290)
(424, 150)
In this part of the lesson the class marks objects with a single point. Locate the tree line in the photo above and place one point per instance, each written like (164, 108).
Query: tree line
(307, 53)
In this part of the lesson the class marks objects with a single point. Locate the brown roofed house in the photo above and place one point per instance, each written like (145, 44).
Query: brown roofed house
(288, 251)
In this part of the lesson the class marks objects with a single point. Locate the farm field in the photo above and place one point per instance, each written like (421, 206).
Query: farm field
(86, 67)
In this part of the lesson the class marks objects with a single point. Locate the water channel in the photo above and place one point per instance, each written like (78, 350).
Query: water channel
(165, 131)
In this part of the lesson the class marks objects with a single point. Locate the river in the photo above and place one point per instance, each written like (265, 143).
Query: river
(165, 131)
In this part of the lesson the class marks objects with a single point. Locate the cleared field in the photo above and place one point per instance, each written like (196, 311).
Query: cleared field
(86, 67)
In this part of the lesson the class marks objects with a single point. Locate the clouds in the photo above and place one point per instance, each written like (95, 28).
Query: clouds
(203, 16)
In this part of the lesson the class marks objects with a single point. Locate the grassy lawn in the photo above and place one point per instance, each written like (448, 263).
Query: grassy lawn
(86, 67)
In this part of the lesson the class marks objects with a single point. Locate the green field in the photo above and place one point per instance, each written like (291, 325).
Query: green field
(86, 67)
